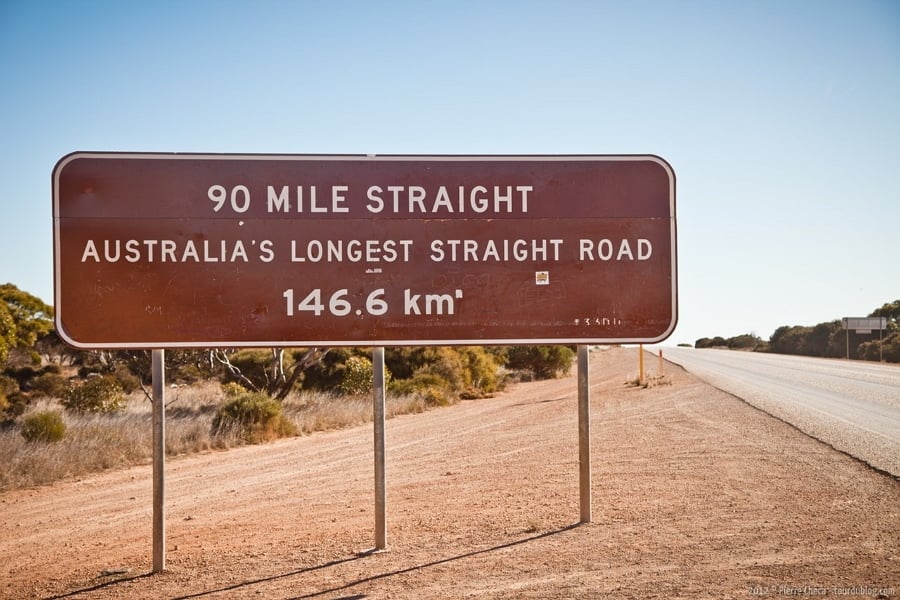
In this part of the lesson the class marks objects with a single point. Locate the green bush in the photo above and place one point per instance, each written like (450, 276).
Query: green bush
(448, 364)
(128, 381)
(747, 341)
(8, 386)
(481, 371)
(328, 373)
(441, 366)
(887, 348)
(418, 383)
(43, 426)
(359, 376)
(465, 371)
(49, 384)
(254, 417)
(545, 362)
(254, 364)
(716, 342)
(892, 347)
(13, 405)
(233, 389)
(434, 396)
(22, 374)
(101, 394)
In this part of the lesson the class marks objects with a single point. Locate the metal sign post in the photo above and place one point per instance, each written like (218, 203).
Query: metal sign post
(158, 374)
(584, 434)
(378, 418)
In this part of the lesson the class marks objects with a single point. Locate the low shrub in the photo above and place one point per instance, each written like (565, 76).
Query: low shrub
(8, 385)
(431, 388)
(233, 389)
(49, 385)
(97, 394)
(420, 382)
(544, 362)
(43, 426)
(254, 417)
(326, 375)
(434, 397)
(13, 406)
(359, 376)
(128, 381)
(482, 369)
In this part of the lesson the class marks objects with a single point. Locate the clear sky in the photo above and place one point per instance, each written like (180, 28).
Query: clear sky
(780, 118)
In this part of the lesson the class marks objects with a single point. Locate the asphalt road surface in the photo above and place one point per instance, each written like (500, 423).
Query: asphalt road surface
(852, 405)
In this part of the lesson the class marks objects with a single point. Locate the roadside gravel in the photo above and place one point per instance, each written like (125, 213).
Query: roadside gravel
(853, 406)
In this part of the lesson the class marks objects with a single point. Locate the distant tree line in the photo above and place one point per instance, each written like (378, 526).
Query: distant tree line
(747, 341)
(826, 339)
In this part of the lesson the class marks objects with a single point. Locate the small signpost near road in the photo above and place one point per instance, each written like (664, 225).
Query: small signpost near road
(865, 325)
(234, 250)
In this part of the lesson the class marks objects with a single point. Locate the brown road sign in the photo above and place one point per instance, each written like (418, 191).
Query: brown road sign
(204, 250)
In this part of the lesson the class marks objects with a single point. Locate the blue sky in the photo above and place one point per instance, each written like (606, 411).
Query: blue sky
(781, 119)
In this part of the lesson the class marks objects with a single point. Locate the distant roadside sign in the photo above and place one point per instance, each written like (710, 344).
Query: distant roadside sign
(206, 250)
(864, 324)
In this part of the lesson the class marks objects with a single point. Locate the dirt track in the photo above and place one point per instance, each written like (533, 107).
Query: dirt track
(695, 495)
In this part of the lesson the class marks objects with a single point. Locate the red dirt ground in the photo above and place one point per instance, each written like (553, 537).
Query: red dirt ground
(695, 494)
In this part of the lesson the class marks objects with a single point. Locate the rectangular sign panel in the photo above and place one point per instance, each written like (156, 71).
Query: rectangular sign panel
(194, 250)
(864, 324)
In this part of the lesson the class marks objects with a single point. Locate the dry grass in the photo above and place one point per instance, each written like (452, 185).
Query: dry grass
(95, 442)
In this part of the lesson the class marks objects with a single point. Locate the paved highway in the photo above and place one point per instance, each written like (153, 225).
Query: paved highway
(852, 405)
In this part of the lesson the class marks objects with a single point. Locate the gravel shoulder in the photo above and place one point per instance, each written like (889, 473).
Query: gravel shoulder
(852, 405)
(695, 494)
